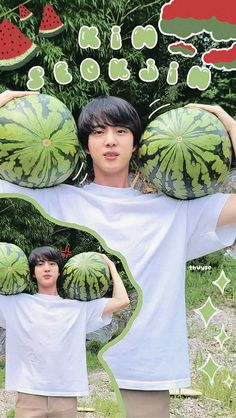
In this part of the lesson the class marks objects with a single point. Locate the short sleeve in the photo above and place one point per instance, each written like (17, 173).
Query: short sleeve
(95, 318)
(203, 235)
(3, 310)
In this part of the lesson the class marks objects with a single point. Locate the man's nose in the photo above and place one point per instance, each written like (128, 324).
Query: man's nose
(46, 266)
(110, 138)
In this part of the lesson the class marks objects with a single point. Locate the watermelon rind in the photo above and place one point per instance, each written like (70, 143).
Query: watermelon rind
(39, 146)
(23, 19)
(86, 277)
(186, 153)
(17, 62)
(14, 269)
(51, 32)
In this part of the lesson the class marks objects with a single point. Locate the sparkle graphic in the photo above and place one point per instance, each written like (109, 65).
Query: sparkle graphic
(207, 311)
(228, 381)
(222, 281)
(210, 368)
(222, 337)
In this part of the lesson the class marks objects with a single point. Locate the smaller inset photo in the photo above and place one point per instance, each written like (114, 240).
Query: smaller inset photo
(63, 297)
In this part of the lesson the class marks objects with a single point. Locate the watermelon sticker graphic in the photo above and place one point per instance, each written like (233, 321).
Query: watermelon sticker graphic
(16, 49)
(184, 19)
(51, 24)
(24, 13)
(223, 59)
(181, 48)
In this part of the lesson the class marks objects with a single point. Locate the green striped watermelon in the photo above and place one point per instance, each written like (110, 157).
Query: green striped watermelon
(186, 153)
(86, 277)
(38, 141)
(14, 269)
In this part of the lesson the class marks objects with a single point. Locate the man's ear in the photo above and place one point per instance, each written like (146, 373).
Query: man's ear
(87, 151)
(134, 148)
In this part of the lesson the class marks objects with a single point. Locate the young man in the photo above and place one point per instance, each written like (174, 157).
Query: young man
(156, 234)
(45, 339)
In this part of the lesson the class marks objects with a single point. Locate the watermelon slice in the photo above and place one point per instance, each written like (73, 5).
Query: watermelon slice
(50, 24)
(24, 13)
(15, 48)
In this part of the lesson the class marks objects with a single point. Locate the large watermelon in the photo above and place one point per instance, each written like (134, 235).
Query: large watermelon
(86, 277)
(38, 141)
(186, 153)
(14, 269)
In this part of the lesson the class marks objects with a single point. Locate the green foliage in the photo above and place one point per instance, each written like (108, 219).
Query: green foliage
(199, 283)
(11, 413)
(2, 374)
(92, 349)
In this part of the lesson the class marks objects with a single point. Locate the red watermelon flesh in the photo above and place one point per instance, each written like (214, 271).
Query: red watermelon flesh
(24, 12)
(50, 24)
(15, 48)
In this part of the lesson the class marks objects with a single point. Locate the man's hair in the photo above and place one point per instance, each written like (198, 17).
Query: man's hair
(108, 111)
(44, 254)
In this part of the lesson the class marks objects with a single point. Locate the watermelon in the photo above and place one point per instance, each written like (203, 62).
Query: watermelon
(186, 153)
(50, 24)
(14, 269)
(38, 141)
(15, 48)
(24, 13)
(86, 277)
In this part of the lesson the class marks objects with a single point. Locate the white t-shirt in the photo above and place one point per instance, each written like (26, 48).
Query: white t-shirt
(157, 235)
(45, 342)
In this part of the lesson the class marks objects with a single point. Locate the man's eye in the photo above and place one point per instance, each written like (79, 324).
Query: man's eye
(121, 130)
(97, 132)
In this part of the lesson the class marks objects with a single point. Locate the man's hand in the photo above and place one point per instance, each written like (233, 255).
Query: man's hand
(227, 120)
(8, 95)
(119, 297)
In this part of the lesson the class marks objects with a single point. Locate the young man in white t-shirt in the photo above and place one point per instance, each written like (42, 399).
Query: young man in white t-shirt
(156, 234)
(45, 339)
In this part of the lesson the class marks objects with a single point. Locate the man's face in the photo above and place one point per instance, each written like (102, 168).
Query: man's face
(46, 273)
(111, 149)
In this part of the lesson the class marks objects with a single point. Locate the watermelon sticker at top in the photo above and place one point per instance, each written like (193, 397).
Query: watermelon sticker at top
(14, 269)
(15, 48)
(25, 13)
(186, 50)
(186, 153)
(50, 25)
(38, 141)
(86, 276)
(221, 58)
(184, 19)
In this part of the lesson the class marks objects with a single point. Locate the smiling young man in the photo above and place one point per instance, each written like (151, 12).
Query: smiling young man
(156, 234)
(45, 339)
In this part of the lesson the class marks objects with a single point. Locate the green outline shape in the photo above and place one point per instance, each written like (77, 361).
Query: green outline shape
(127, 270)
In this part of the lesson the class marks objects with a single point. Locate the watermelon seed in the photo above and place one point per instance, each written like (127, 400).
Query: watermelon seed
(47, 142)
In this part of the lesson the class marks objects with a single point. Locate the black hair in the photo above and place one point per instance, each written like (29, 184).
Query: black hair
(42, 254)
(108, 111)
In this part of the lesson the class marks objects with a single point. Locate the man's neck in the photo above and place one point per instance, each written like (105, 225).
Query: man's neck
(112, 181)
(49, 291)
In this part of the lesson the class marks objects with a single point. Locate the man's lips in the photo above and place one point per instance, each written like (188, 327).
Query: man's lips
(110, 155)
